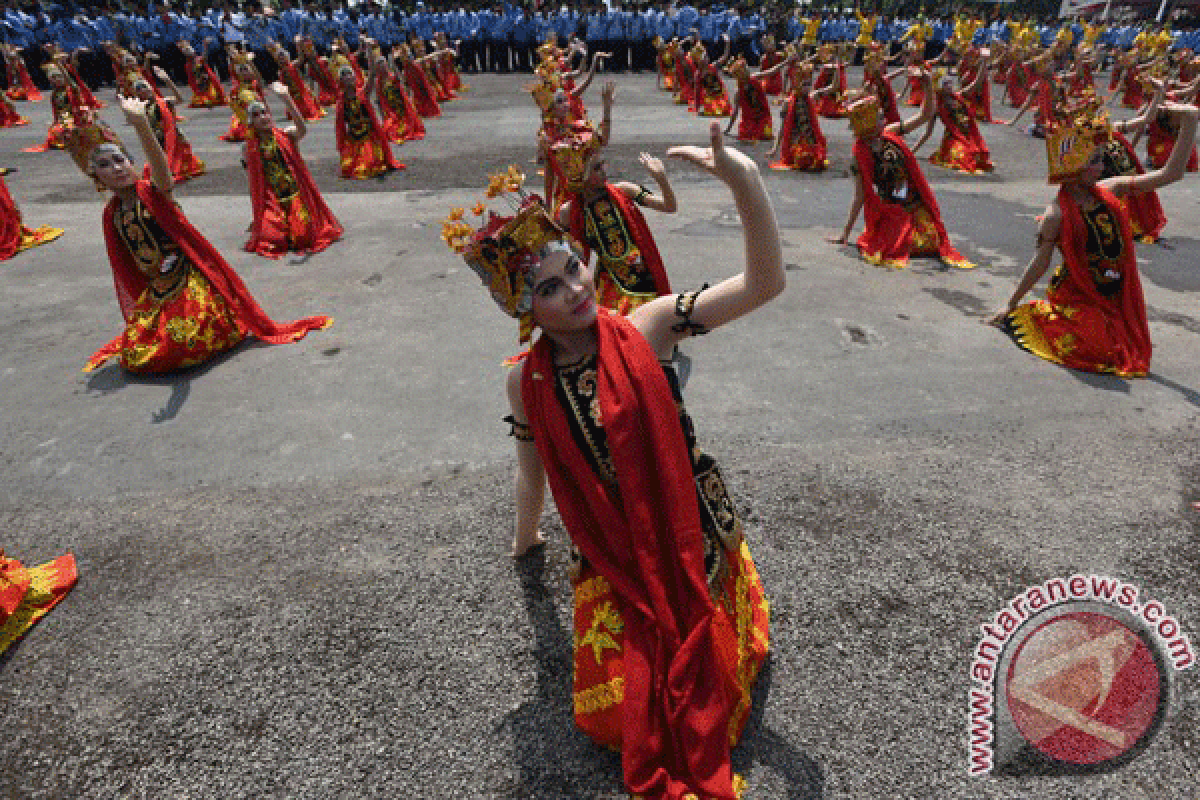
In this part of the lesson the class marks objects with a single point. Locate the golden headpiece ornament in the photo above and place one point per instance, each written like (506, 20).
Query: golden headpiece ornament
(241, 58)
(504, 250)
(241, 101)
(544, 91)
(573, 155)
(698, 52)
(874, 57)
(51, 68)
(740, 69)
(825, 53)
(941, 79)
(1072, 139)
(87, 134)
(864, 116)
(339, 62)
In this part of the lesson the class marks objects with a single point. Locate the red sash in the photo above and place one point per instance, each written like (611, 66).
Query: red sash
(130, 282)
(646, 540)
(376, 130)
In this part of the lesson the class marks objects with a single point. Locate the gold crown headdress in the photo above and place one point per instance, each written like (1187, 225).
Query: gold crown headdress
(740, 69)
(698, 52)
(864, 115)
(544, 91)
(825, 53)
(88, 133)
(241, 101)
(573, 155)
(874, 57)
(241, 58)
(503, 251)
(941, 79)
(1072, 138)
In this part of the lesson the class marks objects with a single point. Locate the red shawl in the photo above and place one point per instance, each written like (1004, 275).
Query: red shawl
(130, 282)
(376, 130)
(819, 145)
(831, 104)
(31, 91)
(774, 82)
(888, 232)
(423, 93)
(1018, 84)
(1145, 210)
(180, 170)
(326, 83)
(980, 100)
(270, 223)
(886, 93)
(646, 539)
(1126, 338)
(635, 221)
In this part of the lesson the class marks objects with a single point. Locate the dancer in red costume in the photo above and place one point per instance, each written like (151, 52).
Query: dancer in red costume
(9, 118)
(1016, 89)
(1163, 129)
(903, 220)
(1094, 315)
(430, 64)
(290, 215)
(711, 98)
(361, 141)
(558, 127)
(447, 61)
(20, 85)
(207, 91)
(64, 105)
(246, 78)
(605, 218)
(70, 65)
(298, 90)
(670, 615)
(666, 54)
(160, 113)
(15, 236)
(1146, 216)
(685, 75)
(423, 93)
(771, 58)
(830, 84)
(751, 103)
(182, 303)
(801, 144)
(963, 147)
(319, 70)
(29, 593)
(977, 95)
(400, 119)
(878, 81)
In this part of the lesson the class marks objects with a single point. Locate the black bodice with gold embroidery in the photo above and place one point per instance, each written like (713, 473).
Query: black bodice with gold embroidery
(1104, 249)
(607, 234)
(60, 105)
(394, 96)
(576, 390)
(156, 254)
(891, 176)
(279, 177)
(802, 130)
(957, 113)
(358, 124)
(154, 117)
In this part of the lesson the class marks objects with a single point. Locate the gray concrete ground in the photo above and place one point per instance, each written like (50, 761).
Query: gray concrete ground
(293, 569)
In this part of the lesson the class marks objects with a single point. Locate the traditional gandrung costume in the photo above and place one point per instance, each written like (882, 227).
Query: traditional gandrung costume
(754, 108)
(1094, 315)
(802, 145)
(670, 614)
(182, 302)
(15, 236)
(901, 214)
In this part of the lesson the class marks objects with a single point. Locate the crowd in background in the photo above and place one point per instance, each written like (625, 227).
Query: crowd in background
(496, 38)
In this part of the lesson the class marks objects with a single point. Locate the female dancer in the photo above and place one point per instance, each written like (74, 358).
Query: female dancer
(361, 140)
(14, 235)
(9, 118)
(419, 86)
(1146, 216)
(902, 215)
(801, 144)
(298, 90)
(207, 91)
(751, 103)
(182, 303)
(447, 58)
(830, 85)
(711, 98)
(20, 85)
(64, 105)
(670, 616)
(401, 122)
(1094, 316)
(160, 113)
(319, 70)
(878, 81)
(247, 82)
(290, 214)
(963, 147)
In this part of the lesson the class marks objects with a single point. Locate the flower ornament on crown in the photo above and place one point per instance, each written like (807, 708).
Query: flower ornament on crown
(504, 250)
(1072, 139)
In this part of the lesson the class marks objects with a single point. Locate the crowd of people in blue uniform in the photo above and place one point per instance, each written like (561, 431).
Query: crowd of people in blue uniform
(497, 38)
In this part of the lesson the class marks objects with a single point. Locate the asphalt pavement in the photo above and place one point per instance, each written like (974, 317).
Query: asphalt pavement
(294, 578)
